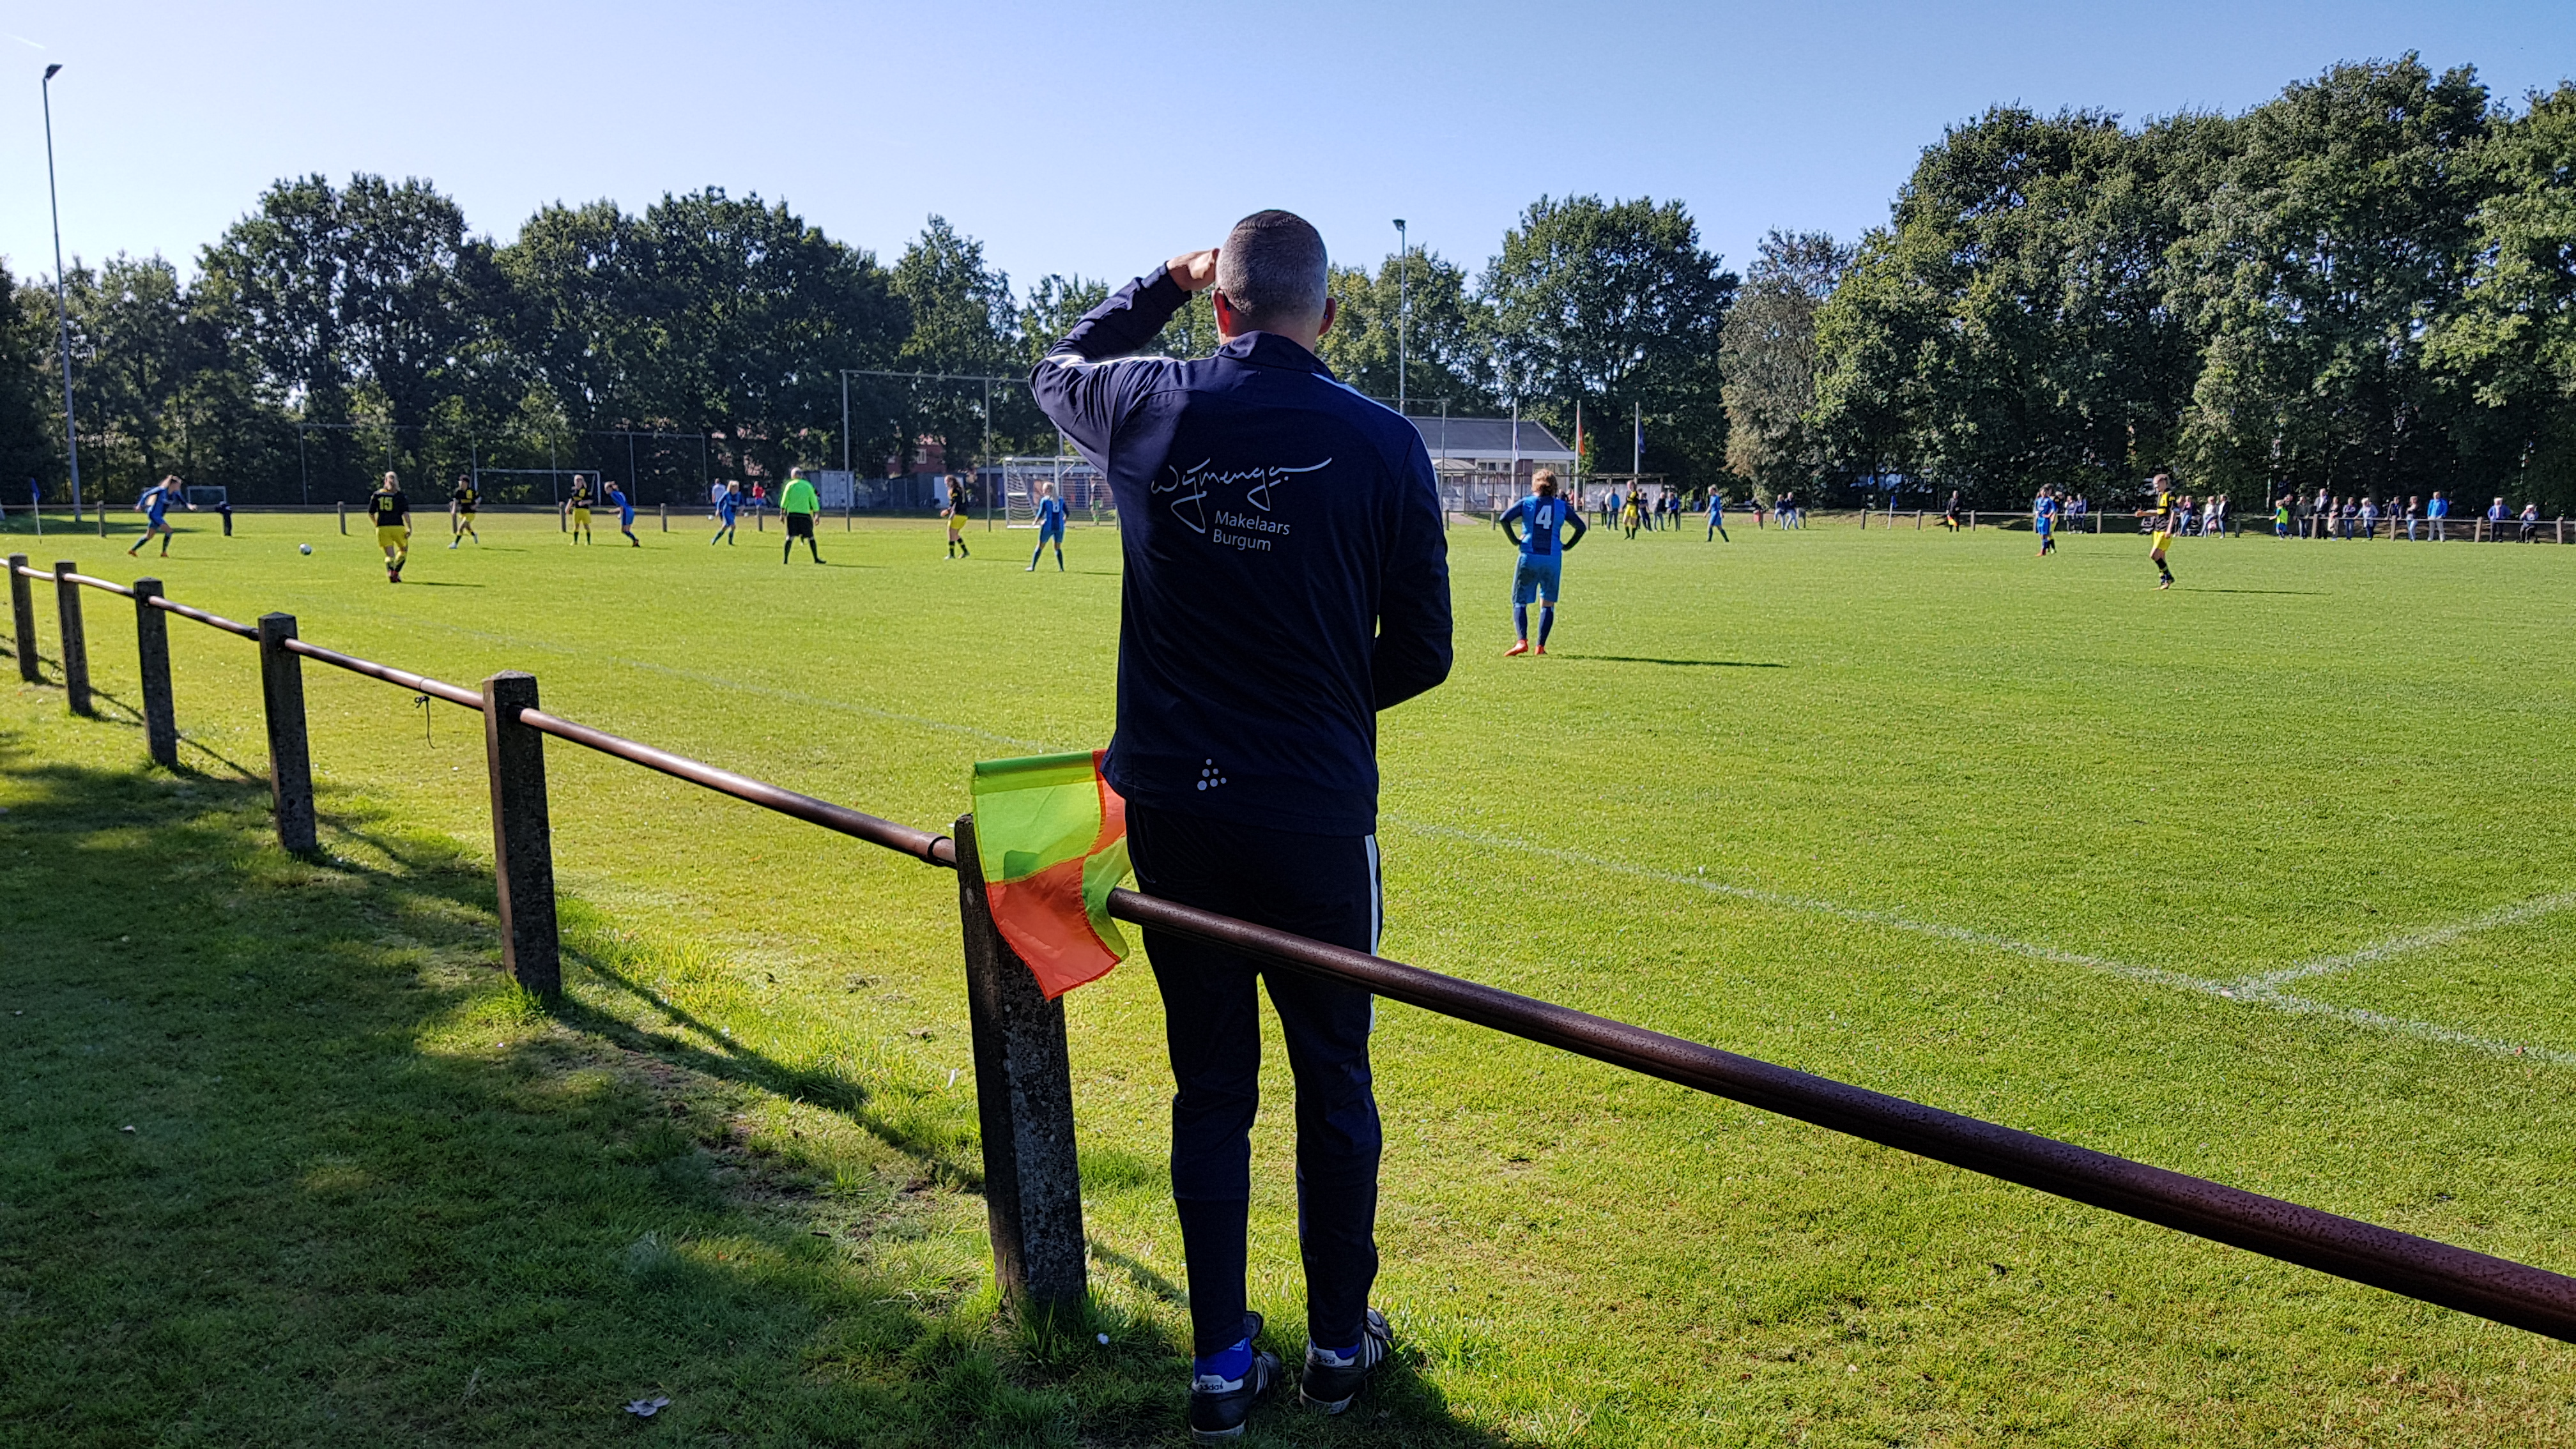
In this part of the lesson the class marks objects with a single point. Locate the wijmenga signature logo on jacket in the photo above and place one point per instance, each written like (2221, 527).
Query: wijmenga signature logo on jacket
(1191, 486)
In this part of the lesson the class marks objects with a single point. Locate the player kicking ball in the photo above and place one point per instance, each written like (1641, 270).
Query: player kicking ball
(1532, 525)
(390, 511)
(1050, 527)
(155, 504)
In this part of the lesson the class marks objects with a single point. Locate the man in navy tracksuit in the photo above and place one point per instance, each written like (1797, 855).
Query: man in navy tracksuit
(1287, 578)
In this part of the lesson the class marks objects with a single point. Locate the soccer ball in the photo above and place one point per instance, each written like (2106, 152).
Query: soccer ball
(304, 547)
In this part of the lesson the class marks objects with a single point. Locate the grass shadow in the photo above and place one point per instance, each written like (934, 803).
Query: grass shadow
(287, 1160)
(1673, 663)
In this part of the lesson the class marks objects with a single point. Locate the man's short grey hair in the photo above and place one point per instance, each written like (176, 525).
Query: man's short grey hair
(1272, 269)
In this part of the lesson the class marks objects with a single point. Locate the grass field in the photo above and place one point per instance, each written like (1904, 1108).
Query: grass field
(2268, 878)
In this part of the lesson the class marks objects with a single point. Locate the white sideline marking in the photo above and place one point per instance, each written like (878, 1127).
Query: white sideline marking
(2262, 991)
(2398, 946)
(2257, 991)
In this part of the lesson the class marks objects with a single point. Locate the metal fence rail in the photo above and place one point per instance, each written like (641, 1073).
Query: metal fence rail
(1023, 1076)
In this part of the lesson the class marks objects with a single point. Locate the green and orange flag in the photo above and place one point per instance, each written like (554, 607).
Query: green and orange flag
(1051, 837)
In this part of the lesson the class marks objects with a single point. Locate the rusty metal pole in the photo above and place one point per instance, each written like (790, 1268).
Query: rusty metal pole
(1024, 1102)
(290, 758)
(75, 644)
(523, 851)
(22, 614)
(152, 648)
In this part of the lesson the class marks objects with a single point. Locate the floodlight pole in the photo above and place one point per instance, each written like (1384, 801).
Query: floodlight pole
(62, 307)
(1403, 306)
(845, 422)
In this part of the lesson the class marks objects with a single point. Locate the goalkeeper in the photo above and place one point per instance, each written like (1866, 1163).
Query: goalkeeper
(1532, 525)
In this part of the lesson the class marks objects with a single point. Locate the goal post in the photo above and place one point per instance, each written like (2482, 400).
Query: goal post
(1014, 483)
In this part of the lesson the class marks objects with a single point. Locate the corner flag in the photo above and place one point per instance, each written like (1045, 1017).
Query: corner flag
(1051, 837)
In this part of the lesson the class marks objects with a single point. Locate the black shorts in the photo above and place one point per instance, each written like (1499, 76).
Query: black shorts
(800, 525)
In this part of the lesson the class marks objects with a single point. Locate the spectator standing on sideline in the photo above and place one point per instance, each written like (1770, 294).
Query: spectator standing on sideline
(1287, 579)
(2530, 521)
(797, 505)
(2438, 512)
(2414, 508)
(2496, 516)
(2369, 519)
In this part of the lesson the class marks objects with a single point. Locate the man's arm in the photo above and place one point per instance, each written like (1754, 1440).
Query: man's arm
(1089, 401)
(1575, 517)
(1412, 653)
(1510, 518)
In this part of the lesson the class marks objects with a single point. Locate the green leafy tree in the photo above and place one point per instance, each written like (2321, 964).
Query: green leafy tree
(136, 352)
(2510, 341)
(1767, 356)
(30, 391)
(963, 321)
(2339, 231)
(1615, 306)
(1445, 342)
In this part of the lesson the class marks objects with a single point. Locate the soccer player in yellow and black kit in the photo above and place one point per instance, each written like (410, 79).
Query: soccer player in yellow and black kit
(391, 513)
(2164, 523)
(460, 507)
(580, 508)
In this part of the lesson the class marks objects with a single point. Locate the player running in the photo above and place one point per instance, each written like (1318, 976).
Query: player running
(1716, 517)
(2164, 523)
(1531, 525)
(154, 504)
(461, 501)
(2043, 521)
(625, 507)
(728, 504)
(390, 511)
(798, 503)
(1050, 526)
(580, 508)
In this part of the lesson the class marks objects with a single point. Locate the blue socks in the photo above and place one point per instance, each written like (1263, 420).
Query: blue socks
(1520, 620)
(1546, 622)
(1229, 1364)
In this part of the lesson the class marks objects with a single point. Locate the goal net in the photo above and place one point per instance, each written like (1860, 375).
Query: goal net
(1017, 483)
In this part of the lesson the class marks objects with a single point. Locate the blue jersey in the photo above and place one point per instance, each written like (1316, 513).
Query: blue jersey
(625, 506)
(158, 502)
(727, 508)
(1539, 519)
(1716, 509)
(1051, 514)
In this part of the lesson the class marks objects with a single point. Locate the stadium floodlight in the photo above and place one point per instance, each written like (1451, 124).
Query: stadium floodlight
(1403, 309)
(62, 308)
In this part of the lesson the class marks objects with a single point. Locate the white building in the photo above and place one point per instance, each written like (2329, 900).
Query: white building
(1483, 463)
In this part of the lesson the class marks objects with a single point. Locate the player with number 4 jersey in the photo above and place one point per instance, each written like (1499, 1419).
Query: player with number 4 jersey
(1532, 525)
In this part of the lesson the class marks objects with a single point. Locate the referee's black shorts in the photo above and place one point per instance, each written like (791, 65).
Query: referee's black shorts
(800, 525)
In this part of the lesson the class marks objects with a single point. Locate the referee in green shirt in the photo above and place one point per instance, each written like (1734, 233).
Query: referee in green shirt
(798, 505)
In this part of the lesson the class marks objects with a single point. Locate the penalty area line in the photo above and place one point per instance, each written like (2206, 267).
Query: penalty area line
(2257, 993)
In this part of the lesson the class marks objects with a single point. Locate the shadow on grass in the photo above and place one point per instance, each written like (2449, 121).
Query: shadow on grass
(285, 1160)
(1674, 663)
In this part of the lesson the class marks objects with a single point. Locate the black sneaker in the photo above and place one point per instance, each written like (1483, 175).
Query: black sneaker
(1219, 1407)
(1331, 1380)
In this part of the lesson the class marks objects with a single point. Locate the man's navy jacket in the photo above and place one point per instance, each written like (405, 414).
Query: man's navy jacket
(1287, 573)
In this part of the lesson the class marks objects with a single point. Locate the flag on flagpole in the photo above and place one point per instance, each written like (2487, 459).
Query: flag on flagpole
(1051, 837)
(1578, 438)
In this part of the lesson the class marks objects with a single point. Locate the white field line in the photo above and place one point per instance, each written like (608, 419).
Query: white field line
(2259, 992)
(2400, 945)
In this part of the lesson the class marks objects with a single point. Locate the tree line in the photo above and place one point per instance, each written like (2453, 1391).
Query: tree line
(2366, 285)
(338, 330)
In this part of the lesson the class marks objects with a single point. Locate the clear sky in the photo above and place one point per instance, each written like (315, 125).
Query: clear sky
(1100, 138)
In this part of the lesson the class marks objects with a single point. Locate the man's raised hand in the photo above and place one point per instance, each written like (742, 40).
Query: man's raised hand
(1195, 271)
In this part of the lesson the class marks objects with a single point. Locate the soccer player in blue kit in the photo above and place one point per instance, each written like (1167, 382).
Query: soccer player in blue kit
(1532, 525)
(1716, 517)
(726, 508)
(155, 503)
(1050, 526)
(625, 507)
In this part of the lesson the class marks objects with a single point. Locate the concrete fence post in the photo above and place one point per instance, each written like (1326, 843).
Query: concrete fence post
(290, 758)
(152, 648)
(22, 615)
(666, 518)
(342, 509)
(75, 643)
(523, 849)
(1024, 1103)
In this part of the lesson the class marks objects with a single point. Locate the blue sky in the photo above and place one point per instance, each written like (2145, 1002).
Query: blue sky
(1101, 138)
